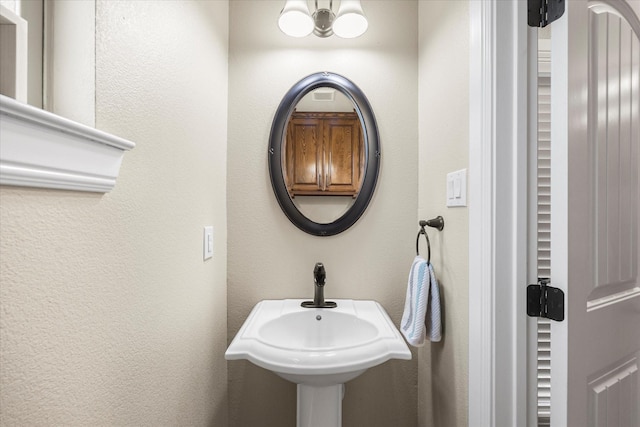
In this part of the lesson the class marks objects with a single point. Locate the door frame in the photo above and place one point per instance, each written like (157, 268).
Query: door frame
(498, 157)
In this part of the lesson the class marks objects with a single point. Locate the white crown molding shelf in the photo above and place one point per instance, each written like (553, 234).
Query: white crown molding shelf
(41, 149)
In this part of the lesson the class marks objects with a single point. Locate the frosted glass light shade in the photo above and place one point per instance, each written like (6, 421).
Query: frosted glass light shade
(350, 22)
(295, 19)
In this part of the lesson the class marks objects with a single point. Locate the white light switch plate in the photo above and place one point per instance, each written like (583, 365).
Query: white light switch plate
(208, 242)
(457, 188)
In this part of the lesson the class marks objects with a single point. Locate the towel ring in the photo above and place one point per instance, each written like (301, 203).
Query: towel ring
(437, 223)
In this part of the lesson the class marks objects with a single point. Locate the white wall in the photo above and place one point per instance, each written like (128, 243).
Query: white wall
(108, 314)
(444, 140)
(268, 256)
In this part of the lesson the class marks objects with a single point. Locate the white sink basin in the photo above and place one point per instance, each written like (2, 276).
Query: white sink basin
(317, 331)
(318, 346)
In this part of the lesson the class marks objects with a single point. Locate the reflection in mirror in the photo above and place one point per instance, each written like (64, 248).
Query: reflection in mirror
(323, 157)
(21, 31)
(323, 210)
(33, 12)
(62, 83)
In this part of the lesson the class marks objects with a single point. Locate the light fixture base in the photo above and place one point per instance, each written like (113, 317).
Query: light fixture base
(323, 19)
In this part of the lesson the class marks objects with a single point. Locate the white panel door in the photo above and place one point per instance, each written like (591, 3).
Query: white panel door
(595, 201)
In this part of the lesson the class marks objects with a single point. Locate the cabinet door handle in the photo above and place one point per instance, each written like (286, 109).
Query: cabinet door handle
(318, 180)
(330, 165)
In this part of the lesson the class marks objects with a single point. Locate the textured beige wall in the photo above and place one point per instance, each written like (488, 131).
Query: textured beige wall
(269, 257)
(444, 122)
(108, 314)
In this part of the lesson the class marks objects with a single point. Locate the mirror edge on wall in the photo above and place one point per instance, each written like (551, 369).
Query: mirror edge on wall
(372, 152)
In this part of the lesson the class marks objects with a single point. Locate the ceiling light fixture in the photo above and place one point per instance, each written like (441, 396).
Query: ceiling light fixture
(295, 19)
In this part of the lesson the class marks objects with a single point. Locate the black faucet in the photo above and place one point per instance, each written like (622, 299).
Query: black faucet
(319, 277)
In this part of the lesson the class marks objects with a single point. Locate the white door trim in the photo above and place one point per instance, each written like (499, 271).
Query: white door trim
(497, 213)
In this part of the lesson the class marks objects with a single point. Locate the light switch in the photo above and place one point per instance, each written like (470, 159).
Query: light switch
(457, 188)
(208, 242)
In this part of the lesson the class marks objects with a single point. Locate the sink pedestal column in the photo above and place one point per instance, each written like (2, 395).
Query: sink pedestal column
(320, 406)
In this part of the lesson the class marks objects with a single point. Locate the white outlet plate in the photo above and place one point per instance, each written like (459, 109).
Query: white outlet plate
(457, 188)
(208, 242)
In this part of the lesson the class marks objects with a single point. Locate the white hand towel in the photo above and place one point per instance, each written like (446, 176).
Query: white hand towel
(422, 300)
(433, 322)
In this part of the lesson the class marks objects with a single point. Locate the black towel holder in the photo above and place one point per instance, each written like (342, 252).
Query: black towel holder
(437, 223)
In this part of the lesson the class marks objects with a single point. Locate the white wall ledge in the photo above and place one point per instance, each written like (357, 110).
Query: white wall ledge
(41, 149)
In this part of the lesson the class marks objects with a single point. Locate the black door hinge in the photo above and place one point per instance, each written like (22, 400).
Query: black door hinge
(541, 13)
(545, 301)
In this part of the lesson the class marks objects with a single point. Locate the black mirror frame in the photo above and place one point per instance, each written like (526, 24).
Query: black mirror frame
(372, 152)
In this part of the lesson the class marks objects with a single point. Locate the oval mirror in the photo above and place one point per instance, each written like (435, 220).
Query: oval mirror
(324, 154)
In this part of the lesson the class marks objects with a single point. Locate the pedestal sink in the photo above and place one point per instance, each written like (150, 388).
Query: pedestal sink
(319, 349)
